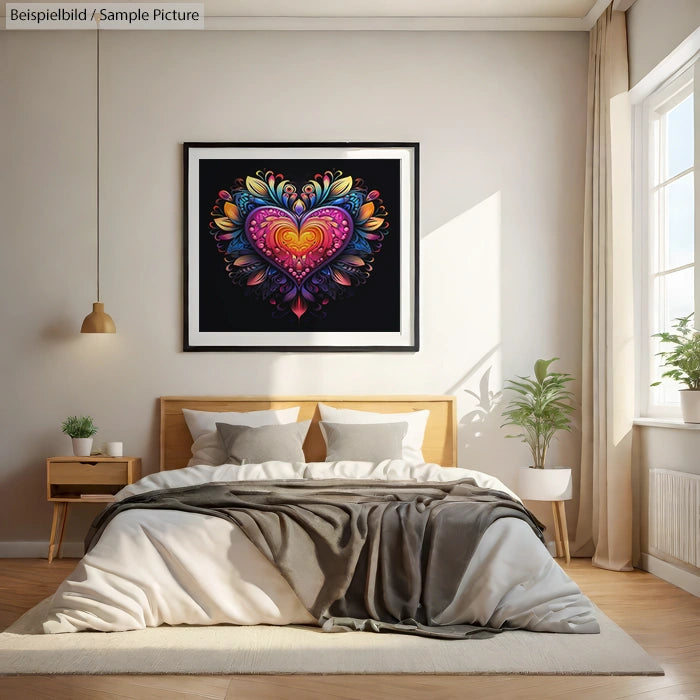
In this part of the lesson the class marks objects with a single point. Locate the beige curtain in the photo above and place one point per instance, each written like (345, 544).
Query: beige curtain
(604, 525)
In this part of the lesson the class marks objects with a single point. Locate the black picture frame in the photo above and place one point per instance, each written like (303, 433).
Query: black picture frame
(358, 199)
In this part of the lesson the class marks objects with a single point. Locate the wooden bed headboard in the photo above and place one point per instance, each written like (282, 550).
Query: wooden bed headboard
(439, 443)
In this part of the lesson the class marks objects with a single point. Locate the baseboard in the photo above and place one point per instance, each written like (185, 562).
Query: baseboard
(673, 574)
(37, 550)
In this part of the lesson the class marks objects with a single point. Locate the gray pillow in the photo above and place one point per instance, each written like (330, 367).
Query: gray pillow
(363, 442)
(245, 445)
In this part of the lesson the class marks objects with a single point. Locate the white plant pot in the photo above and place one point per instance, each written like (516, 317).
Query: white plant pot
(690, 405)
(82, 447)
(544, 484)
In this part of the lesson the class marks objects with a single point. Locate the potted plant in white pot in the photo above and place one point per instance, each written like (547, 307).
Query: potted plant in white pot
(541, 408)
(80, 429)
(683, 361)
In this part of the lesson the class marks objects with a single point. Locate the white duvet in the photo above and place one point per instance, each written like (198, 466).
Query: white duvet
(154, 567)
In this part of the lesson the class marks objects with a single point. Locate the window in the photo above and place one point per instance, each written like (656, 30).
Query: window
(667, 215)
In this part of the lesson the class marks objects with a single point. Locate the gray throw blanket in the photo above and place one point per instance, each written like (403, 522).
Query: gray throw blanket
(365, 555)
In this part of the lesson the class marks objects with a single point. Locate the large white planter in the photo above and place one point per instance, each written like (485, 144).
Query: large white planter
(544, 484)
(82, 447)
(690, 405)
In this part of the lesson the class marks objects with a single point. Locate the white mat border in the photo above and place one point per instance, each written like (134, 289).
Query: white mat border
(269, 650)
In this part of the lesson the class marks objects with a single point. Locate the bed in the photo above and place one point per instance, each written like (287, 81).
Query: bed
(246, 541)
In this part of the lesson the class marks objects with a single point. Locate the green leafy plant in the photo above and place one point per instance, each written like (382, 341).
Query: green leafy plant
(542, 407)
(684, 357)
(82, 427)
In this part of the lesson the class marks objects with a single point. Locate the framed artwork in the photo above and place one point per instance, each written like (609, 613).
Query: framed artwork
(301, 247)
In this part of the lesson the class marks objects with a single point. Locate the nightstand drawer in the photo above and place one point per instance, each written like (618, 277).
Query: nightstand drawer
(82, 473)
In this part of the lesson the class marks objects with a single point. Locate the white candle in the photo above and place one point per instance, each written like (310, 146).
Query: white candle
(115, 449)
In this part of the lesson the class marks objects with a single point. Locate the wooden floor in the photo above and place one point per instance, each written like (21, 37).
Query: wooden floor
(662, 618)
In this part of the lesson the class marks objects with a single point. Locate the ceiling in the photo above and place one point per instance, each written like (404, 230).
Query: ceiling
(387, 8)
(397, 14)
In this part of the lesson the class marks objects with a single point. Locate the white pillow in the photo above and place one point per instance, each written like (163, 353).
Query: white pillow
(207, 447)
(412, 442)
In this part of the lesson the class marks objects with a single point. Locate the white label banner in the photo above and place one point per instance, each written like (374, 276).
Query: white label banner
(115, 15)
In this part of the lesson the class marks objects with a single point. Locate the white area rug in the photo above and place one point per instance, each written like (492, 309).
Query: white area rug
(266, 649)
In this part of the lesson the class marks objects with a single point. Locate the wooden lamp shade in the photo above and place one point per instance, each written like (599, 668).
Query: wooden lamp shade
(98, 321)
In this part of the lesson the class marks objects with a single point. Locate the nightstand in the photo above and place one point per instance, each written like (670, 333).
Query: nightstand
(84, 480)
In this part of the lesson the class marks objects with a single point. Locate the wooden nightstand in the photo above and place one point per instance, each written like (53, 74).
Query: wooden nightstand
(68, 478)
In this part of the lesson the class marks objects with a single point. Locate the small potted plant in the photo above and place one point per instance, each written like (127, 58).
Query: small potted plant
(541, 408)
(81, 431)
(683, 361)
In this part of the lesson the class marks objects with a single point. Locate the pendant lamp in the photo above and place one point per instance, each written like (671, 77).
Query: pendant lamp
(98, 321)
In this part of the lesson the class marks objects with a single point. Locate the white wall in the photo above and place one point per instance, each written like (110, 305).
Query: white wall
(501, 122)
(654, 29)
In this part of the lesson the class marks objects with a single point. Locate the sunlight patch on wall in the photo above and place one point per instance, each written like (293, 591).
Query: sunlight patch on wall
(462, 321)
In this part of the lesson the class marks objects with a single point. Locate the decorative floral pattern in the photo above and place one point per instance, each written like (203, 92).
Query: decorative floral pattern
(299, 250)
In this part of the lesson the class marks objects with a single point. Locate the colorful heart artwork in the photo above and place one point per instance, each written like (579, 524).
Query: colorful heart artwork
(299, 249)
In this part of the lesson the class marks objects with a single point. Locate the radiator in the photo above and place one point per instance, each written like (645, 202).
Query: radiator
(674, 514)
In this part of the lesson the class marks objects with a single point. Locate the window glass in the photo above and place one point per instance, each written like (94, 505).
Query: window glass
(667, 189)
(679, 138)
(680, 214)
(678, 295)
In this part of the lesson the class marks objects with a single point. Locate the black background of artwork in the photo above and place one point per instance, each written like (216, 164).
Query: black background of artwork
(372, 307)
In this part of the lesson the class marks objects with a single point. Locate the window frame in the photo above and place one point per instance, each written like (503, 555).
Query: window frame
(666, 96)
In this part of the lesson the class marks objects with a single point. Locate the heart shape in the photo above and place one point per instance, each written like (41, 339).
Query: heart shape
(298, 247)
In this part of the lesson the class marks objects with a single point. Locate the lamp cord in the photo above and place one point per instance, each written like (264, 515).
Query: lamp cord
(98, 157)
